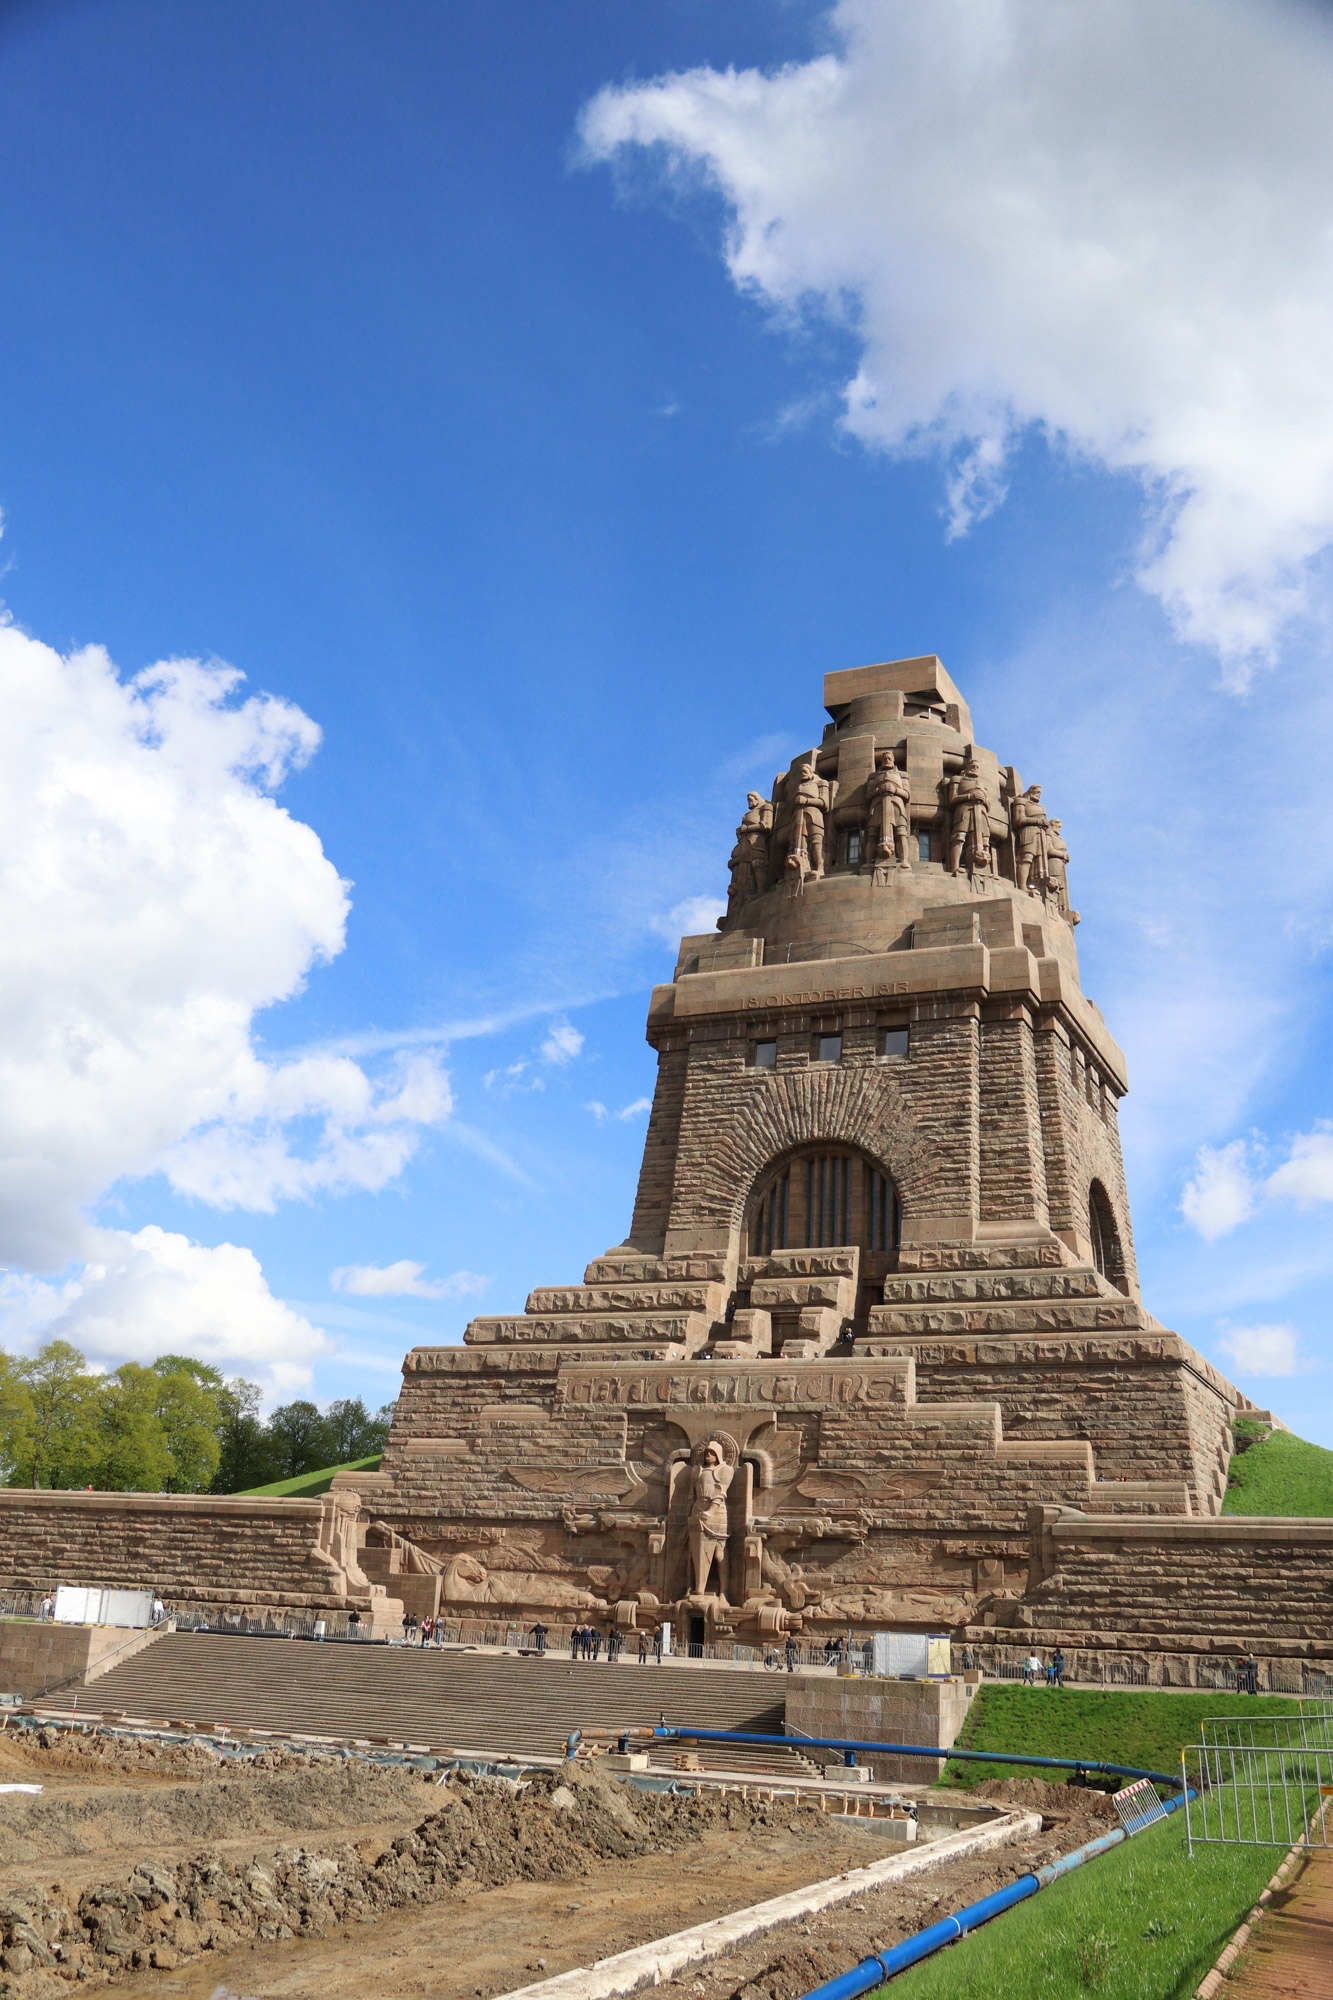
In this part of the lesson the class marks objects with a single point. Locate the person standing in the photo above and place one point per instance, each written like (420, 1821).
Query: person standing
(595, 1642)
(790, 1651)
(538, 1636)
(574, 1643)
(48, 1609)
(643, 1649)
(657, 1645)
(1058, 1667)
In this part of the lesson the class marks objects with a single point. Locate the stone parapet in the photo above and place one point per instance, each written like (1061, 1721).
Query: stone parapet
(192, 1548)
(1019, 1316)
(688, 1331)
(550, 1301)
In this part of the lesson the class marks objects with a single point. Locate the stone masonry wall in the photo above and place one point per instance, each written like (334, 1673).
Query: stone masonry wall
(1219, 1586)
(1081, 1137)
(1013, 1166)
(652, 1202)
(192, 1548)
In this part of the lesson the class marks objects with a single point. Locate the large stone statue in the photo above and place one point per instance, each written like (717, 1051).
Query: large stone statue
(1027, 816)
(749, 857)
(1057, 862)
(805, 840)
(712, 1469)
(969, 820)
(889, 798)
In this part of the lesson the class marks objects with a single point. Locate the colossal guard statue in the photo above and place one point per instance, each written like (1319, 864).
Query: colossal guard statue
(877, 1311)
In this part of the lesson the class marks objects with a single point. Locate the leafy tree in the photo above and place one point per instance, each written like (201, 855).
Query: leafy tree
(193, 1403)
(248, 1453)
(132, 1455)
(300, 1438)
(56, 1440)
(15, 1420)
(351, 1432)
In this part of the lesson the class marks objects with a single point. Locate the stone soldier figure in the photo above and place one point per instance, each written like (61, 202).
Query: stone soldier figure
(1057, 861)
(805, 840)
(710, 1482)
(1028, 818)
(890, 798)
(969, 819)
(749, 857)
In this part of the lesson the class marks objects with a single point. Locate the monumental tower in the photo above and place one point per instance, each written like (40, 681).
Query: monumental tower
(878, 1298)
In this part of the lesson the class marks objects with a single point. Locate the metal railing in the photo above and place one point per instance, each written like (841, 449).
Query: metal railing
(1084, 1668)
(1262, 1781)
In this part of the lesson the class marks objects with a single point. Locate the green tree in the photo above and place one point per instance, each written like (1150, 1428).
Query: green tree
(194, 1404)
(15, 1421)
(249, 1453)
(133, 1456)
(351, 1432)
(56, 1442)
(300, 1437)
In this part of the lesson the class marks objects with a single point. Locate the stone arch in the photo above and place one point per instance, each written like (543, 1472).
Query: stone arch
(1108, 1252)
(851, 1106)
(825, 1195)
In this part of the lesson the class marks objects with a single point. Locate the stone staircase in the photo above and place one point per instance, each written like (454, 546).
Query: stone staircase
(1017, 1289)
(662, 1306)
(496, 1703)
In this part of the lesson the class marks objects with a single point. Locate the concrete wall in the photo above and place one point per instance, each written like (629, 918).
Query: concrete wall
(37, 1657)
(870, 1710)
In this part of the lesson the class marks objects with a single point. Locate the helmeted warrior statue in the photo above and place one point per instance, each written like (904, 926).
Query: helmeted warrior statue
(749, 857)
(969, 820)
(1057, 862)
(805, 840)
(889, 798)
(1028, 819)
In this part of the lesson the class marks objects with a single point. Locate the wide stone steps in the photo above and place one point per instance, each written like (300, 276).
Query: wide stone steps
(492, 1702)
(1045, 1315)
(946, 1287)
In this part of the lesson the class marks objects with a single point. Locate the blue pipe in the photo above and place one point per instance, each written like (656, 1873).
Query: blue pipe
(849, 1748)
(882, 1965)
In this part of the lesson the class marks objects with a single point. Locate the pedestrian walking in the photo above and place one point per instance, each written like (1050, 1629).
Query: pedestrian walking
(1251, 1675)
(538, 1636)
(1058, 1668)
(407, 1626)
(1031, 1669)
(643, 1649)
(790, 1650)
(657, 1645)
(614, 1646)
(48, 1610)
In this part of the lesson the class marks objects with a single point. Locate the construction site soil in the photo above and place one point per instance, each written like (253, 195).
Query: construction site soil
(173, 1872)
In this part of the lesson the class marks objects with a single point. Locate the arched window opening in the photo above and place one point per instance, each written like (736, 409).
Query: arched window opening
(823, 1198)
(1107, 1253)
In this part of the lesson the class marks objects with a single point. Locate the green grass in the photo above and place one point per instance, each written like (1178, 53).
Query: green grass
(1144, 1729)
(1143, 1922)
(307, 1484)
(1281, 1475)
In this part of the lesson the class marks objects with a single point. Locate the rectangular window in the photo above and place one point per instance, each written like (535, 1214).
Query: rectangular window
(830, 1048)
(853, 850)
(765, 1055)
(923, 847)
(893, 1042)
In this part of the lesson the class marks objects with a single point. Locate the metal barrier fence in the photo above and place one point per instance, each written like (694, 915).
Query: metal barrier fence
(1087, 1669)
(1262, 1781)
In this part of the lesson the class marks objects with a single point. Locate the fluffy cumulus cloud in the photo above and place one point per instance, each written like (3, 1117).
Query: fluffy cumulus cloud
(1262, 1350)
(692, 918)
(1108, 222)
(1230, 1182)
(562, 1044)
(154, 897)
(154, 1292)
(404, 1280)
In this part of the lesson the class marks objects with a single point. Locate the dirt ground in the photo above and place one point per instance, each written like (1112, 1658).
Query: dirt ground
(175, 1875)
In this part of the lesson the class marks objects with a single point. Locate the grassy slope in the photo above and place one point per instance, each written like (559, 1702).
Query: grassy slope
(307, 1484)
(1141, 1923)
(1147, 1730)
(1282, 1475)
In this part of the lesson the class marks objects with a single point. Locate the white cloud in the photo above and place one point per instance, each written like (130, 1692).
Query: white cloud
(635, 1110)
(562, 1044)
(1263, 1350)
(1306, 1176)
(1226, 1187)
(404, 1280)
(691, 918)
(155, 1292)
(154, 898)
(1221, 1193)
(1110, 222)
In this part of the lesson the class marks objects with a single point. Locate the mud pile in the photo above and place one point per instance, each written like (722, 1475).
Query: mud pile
(482, 1833)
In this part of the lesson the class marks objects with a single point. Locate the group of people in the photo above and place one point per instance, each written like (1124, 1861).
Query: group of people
(425, 1632)
(1053, 1673)
(586, 1642)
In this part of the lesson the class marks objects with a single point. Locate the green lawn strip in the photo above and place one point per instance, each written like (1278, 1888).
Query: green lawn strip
(1146, 1730)
(1143, 1922)
(1280, 1475)
(307, 1484)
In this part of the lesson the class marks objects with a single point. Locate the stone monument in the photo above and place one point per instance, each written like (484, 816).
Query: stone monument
(876, 1331)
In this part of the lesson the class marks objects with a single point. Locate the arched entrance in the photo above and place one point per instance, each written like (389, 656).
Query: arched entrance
(823, 1197)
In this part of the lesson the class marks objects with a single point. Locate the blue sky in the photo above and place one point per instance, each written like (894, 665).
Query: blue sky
(536, 403)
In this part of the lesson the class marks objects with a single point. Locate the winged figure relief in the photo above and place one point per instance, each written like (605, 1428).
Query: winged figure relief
(593, 1482)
